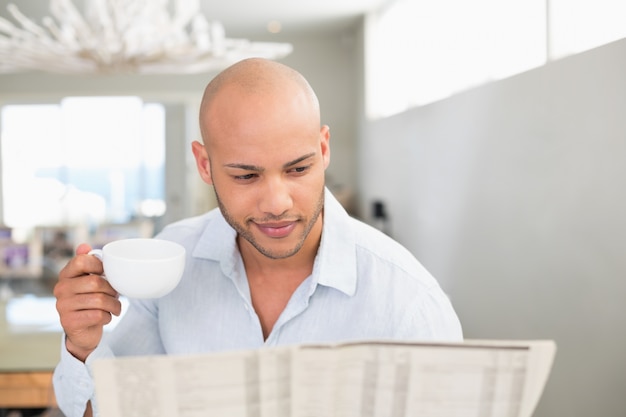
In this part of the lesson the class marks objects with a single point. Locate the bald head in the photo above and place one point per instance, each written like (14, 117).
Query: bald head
(255, 79)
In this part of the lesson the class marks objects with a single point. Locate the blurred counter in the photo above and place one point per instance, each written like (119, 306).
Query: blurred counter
(30, 336)
(29, 351)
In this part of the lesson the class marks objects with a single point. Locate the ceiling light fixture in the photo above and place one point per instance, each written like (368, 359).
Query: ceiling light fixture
(274, 26)
(124, 36)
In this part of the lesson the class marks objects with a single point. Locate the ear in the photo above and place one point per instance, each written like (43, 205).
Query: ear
(325, 144)
(202, 161)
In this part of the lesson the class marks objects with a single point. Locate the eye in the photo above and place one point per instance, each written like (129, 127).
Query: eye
(246, 177)
(300, 170)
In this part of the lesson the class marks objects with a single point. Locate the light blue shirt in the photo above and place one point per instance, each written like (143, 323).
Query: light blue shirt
(364, 285)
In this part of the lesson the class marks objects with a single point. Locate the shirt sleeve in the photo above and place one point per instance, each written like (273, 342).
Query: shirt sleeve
(73, 382)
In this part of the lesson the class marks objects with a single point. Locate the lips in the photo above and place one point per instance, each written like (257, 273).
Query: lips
(276, 230)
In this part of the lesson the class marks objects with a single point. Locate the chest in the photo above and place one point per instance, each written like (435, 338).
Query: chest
(270, 297)
(219, 313)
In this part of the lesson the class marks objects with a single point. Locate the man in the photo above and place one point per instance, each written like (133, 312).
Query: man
(280, 261)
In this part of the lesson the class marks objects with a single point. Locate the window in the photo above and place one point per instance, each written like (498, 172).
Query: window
(420, 52)
(579, 25)
(86, 160)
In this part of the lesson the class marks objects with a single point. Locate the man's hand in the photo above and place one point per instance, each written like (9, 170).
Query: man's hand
(85, 302)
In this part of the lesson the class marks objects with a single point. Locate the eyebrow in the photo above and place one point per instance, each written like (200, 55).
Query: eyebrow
(255, 168)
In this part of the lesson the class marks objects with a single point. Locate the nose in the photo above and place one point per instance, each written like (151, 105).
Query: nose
(275, 197)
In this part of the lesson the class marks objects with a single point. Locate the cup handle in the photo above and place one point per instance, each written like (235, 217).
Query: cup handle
(98, 254)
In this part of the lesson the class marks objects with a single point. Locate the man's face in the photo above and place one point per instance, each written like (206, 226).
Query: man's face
(266, 162)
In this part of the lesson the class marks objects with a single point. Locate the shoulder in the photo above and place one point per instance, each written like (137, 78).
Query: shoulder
(385, 255)
(388, 269)
(398, 287)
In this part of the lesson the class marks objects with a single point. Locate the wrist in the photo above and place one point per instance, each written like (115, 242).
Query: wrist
(78, 352)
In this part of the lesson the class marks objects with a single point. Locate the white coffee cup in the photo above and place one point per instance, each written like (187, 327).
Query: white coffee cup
(142, 267)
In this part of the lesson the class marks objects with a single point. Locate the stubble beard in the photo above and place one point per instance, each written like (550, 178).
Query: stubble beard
(243, 230)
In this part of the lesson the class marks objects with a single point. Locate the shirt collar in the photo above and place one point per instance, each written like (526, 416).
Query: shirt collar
(218, 243)
(335, 262)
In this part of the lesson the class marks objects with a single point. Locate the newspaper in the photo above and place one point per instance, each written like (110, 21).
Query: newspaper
(475, 378)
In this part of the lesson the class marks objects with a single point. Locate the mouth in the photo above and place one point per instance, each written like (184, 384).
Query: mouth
(276, 230)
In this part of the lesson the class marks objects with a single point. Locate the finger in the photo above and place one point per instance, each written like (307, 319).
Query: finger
(78, 321)
(68, 288)
(93, 301)
(85, 311)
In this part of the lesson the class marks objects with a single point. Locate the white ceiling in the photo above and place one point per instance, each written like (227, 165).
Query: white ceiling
(249, 18)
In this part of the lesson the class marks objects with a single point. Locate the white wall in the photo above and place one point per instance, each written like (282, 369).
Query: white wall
(514, 196)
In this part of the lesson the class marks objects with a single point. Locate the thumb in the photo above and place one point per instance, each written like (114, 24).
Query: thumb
(83, 249)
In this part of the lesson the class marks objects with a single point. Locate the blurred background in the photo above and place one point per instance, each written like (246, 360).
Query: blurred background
(487, 137)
